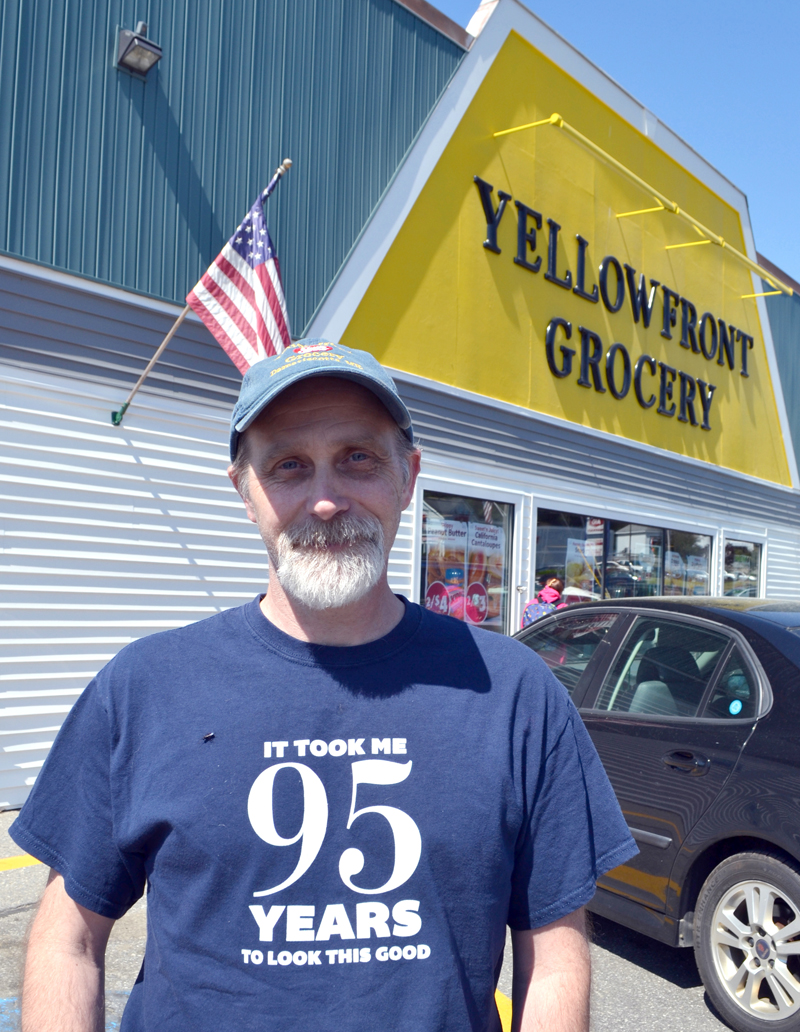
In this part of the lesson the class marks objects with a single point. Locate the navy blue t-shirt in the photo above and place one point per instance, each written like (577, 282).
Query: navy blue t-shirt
(332, 839)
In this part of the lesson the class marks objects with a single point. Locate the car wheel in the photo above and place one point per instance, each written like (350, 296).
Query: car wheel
(747, 942)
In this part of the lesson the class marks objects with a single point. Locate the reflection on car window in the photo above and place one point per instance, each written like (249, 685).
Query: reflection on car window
(735, 694)
(568, 643)
(663, 669)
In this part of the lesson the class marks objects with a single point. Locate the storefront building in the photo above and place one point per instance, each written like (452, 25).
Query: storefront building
(594, 383)
(592, 370)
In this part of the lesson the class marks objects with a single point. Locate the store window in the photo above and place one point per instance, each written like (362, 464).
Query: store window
(597, 558)
(654, 561)
(466, 558)
(570, 548)
(634, 563)
(742, 568)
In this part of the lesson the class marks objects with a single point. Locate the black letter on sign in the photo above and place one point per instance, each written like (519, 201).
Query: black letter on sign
(671, 300)
(613, 351)
(665, 390)
(709, 352)
(727, 345)
(640, 302)
(552, 258)
(566, 353)
(492, 217)
(591, 361)
(688, 391)
(611, 262)
(645, 360)
(688, 326)
(706, 394)
(747, 343)
(527, 238)
(580, 272)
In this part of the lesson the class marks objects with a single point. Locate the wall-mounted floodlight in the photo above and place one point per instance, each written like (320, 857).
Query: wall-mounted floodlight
(135, 52)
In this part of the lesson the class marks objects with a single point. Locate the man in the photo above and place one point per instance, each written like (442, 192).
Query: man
(335, 799)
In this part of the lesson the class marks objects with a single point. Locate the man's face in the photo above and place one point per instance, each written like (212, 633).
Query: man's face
(327, 484)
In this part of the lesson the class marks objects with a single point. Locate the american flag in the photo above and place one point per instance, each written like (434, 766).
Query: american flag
(240, 298)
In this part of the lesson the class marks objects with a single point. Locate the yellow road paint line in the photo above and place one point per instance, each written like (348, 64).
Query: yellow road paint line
(11, 863)
(504, 1010)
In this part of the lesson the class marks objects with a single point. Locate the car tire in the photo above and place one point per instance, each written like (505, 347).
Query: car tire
(747, 941)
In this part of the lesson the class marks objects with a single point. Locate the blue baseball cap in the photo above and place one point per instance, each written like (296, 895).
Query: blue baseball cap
(265, 380)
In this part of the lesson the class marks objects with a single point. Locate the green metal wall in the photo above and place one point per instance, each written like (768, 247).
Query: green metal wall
(139, 183)
(784, 321)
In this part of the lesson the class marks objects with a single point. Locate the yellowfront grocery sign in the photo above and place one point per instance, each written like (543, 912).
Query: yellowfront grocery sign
(519, 274)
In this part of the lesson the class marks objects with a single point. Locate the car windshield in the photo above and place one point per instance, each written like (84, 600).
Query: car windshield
(567, 643)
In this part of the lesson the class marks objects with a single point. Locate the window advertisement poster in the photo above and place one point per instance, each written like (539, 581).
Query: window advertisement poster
(466, 568)
(486, 586)
(446, 542)
(696, 575)
(673, 573)
(581, 567)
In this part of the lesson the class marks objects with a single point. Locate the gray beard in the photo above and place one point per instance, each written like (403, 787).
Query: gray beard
(321, 579)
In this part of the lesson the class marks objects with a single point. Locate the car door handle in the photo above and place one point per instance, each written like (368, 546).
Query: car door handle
(686, 762)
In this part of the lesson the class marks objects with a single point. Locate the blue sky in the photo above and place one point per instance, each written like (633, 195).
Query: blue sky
(723, 74)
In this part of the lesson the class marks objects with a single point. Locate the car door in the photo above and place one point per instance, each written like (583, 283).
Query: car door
(666, 761)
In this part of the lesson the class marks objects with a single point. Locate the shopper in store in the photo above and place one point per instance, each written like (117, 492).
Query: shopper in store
(544, 602)
(335, 799)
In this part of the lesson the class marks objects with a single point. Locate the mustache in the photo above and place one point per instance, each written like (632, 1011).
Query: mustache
(346, 529)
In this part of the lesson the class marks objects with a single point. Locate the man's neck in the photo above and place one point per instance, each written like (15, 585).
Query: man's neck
(370, 618)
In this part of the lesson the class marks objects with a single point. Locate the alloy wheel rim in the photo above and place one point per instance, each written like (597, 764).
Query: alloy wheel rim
(755, 942)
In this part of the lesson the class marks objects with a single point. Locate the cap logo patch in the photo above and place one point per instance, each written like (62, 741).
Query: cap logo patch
(307, 349)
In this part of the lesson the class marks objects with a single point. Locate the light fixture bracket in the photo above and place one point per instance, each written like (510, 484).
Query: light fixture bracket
(136, 54)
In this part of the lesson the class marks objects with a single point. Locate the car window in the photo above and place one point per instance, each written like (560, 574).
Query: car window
(735, 694)
(663, 669)
(567, 643)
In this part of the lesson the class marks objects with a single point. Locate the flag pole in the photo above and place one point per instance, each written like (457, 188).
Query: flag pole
(116, 417)
(281, 170)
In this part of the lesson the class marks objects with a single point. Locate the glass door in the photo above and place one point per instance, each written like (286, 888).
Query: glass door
(466, 558)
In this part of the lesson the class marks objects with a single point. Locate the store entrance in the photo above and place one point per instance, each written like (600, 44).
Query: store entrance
(466, 558)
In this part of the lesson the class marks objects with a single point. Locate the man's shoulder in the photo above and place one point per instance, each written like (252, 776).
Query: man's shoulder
(185, 644)
(498, 652)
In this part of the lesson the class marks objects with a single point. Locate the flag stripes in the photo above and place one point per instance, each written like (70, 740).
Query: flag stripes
(240, 298)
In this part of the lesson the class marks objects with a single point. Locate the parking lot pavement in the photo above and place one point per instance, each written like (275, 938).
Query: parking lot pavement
(638, 984)
(20, 890)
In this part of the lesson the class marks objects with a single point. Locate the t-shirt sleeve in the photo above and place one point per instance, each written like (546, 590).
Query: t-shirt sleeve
(573, 831)
(67, 821)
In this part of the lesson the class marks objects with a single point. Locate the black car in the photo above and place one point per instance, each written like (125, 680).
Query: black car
(694, 707)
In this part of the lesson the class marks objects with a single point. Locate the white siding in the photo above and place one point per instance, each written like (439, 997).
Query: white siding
(402, 557)
(107, 534)
(783, 564)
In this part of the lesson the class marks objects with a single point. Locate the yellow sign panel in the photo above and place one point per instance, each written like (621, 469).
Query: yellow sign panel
(514, 277)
